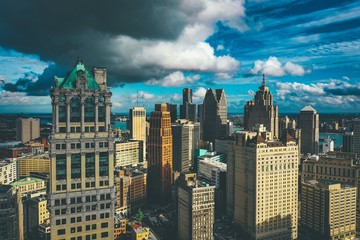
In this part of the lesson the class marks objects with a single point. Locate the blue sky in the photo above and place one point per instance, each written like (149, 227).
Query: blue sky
(308, 50)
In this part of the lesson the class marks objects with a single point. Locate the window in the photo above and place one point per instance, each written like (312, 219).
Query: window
(60, 166)
(61, 231)
(104, 234)
(104, 163)
(72, 220)
(58, 222)
(75, 109)
(89, 109)
(93, 227)
(104, 225)
(90, 164)
(75, 165)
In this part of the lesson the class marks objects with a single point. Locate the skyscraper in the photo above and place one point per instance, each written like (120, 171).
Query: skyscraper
(186, 136)
(188, 109)
(27, 129)
(261, 110)
(159, 156)
(356, 137)
(81, 197)
(172, 108)
(137, 126)
(266, 186)
(196, 206)
(309, 125)
(214, 115)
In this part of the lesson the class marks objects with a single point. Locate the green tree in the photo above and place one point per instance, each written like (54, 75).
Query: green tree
(140, 215)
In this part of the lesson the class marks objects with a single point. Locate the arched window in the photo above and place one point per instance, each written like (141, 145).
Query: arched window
(89, 109)
(75, 109)
(62, 108)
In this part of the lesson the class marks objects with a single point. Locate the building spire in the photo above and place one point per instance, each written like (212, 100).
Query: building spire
(263, 81)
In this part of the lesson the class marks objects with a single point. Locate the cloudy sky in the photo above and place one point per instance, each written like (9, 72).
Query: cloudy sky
(309, 50)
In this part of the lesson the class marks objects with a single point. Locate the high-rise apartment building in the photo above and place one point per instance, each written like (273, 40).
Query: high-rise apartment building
(159, 155)
(356, 139)
(81, 195)
(128, 153)
(261, 110)
(196, 207)
(328, 210)
(27, 129)
(336, 166)
(265, 186)
(188, 108)
(137, 126)
(214, 118)
(186, 136)
(309, 125)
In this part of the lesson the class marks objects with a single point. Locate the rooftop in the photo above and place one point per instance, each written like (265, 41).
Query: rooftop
(308, 109)
(25, 181)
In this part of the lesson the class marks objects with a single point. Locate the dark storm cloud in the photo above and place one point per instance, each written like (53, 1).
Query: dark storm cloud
(40, 87)
(60, 31)
(344, 91)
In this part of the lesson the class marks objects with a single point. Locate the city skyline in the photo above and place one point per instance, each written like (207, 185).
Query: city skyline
(308, 51)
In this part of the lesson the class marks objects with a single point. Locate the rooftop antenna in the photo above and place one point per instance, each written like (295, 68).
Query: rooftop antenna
(137, 97)
(263, 80)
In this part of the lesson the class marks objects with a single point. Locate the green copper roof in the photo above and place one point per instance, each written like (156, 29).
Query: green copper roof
(25, 181)
(70, 80)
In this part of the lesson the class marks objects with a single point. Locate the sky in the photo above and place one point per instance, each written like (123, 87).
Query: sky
(309, 51)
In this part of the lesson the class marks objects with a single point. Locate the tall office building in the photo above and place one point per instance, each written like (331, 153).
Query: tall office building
(137, 126)
(328, 210)
(186, 136)
(261, 110)
(309, 125)
(27, 129)
(35, 213)
(172, 109)
(266, 186)
(159, 156)
(188, 108)
(356, 138)
(348, 142)
(214, 115)
(81, 196)
(196, 206)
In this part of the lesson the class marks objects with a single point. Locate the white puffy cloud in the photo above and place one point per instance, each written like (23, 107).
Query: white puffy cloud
(15, 98)
(175, 79)
(273, 67)
(199, 94)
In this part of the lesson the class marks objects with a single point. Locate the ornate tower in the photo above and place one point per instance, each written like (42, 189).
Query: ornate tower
(81, 195)
(262, 111)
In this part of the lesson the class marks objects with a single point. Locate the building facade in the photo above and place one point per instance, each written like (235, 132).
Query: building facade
(159, 156)
(196, 208)
(39, 163)
(356, 137)
(27, 129)
(265, 186)
(35, 213)
(214, 117)
(81, 195)
(261, 110)
(309, 125)
(128, 153)
(328, 210)
(188, 108)
(137, 126)
(8, 171)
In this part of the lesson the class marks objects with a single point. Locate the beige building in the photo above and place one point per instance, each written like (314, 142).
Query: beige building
(196, 208)
(336, 166)
(35, 213)
(138, 126)
(8, 171)
(28, 185)
(261, 110)
(328, 210)
(27, 129)
(39, 163)
(130, 188)
(309, 125)
(81, 195)
(128, 153)
(265, 186)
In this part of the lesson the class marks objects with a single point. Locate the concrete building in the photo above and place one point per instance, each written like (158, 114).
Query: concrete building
(335, 166)
(28, 185)
(356, 138)
(214, 119)
(35, 213)
(8, 171)
(11, 214)
(138, 126)
(186, 136)
(27, 129)
(265, 186)
(328, 210)
(348, 142)
(81, 195)
(261, 110)
(128, 152)
(159, 156)
(309, 125)
(130, 188)
(140, 233)
(188, 108)
(206, 166)
(196, 205)
(328, 145)
(39, 163)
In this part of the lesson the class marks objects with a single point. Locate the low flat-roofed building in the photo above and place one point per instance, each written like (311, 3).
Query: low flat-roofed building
(35, 163)
(29, 184)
